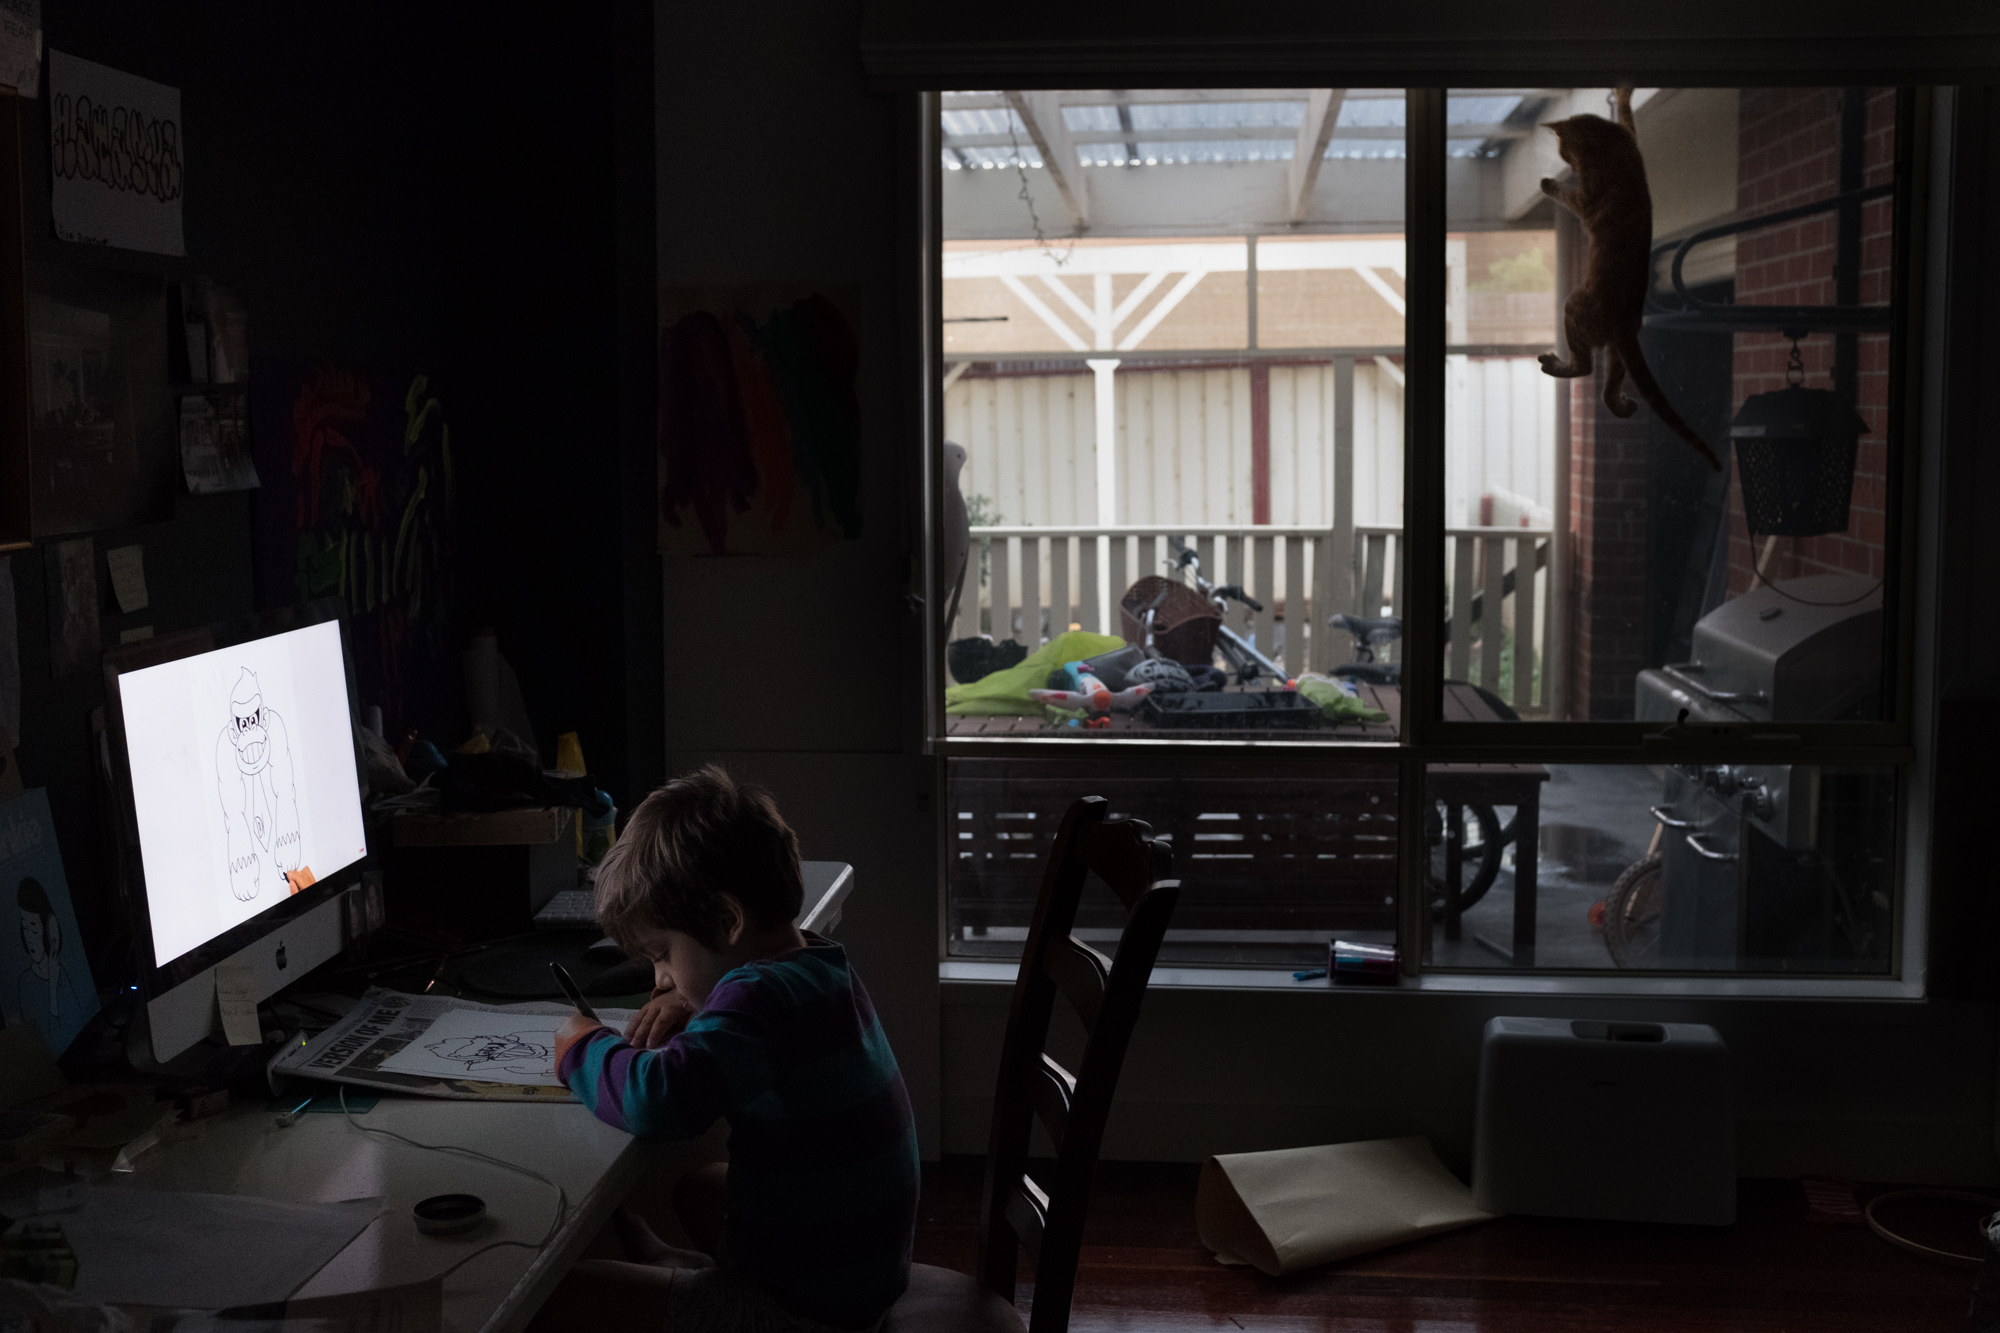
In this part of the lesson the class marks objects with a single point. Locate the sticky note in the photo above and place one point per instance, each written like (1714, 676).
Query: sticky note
(128, 577)
(236, 998)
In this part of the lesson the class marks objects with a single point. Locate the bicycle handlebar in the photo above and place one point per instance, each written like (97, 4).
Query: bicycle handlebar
(1235, 592)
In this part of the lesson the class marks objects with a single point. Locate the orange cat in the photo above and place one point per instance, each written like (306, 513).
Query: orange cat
(1605, 309)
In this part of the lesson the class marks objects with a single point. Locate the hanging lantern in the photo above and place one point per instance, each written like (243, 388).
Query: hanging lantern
(1795, 450)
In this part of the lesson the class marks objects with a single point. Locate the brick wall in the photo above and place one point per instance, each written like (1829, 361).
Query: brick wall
(1608, 518)
(1789, 153)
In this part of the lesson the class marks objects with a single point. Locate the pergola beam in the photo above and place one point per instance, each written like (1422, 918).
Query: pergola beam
(1309, 149)
(1041, 112)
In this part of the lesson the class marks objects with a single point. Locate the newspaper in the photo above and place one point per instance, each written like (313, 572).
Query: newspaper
(383, 1022)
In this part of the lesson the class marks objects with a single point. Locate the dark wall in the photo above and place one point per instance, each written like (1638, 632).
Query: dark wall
(388, 187)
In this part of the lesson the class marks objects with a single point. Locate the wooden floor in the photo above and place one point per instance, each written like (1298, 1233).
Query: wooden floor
(1144, 1269)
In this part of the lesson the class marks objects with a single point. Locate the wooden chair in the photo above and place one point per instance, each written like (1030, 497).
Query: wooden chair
(1017, 1216)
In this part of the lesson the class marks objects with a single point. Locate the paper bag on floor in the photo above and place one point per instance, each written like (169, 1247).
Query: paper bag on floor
(1299, 1207)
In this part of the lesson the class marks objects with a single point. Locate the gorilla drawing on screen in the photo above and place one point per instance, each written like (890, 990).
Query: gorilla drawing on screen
(253, 769)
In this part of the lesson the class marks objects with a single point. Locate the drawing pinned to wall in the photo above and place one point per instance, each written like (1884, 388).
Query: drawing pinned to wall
(10, 659)
(760, 420)
(44, 977)
(115, 156)
(492, 1047)
(357, 502)
(102, 424)
(215, 443)
(260, 806)
(21, 46)
(74, 626)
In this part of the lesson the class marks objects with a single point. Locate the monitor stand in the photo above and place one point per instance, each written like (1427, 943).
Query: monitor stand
(183, 1016)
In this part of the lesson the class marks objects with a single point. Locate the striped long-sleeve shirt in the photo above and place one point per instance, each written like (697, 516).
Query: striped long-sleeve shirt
(823, 1170)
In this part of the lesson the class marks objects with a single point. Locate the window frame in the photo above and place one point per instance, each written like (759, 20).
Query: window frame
(1900, 740)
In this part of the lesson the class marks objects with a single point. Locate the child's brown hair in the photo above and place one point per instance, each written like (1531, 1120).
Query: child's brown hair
(693, 840)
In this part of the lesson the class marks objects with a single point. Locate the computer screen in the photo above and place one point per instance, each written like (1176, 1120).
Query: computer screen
(243, 780)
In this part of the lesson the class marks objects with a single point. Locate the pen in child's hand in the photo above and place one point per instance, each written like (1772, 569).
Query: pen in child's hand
(573, 991)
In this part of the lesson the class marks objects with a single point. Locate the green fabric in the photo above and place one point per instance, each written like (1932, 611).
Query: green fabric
(1337, 704)
(1005, 693)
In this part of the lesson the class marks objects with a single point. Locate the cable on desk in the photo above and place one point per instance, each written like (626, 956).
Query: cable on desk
(562, 1195)
(1916, 1247)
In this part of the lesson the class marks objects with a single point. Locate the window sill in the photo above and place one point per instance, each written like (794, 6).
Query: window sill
(969, 972)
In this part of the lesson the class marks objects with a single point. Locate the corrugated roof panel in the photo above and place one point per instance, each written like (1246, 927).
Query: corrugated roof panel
(1372, 113)
(983, 122)
(1090, 117)
(1479, 110)
(1218, 115)
(993, 158)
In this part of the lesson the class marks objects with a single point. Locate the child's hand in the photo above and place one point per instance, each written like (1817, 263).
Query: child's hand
(660, 1020)
(571, 1032)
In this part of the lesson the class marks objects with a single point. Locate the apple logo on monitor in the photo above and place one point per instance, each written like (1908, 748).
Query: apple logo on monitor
(281, 955)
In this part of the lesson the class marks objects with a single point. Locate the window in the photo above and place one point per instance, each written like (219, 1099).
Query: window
(1174, 418)
(1259, 382)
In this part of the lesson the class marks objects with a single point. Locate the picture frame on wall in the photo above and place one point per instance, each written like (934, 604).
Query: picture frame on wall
(17, 520)
(102, 418)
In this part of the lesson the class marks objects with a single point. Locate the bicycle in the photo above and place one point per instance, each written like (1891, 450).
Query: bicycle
(1482, 858)
(1248, 663)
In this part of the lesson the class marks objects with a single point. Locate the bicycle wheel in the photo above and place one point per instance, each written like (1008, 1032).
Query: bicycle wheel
(1479, 863)
(1632, 914)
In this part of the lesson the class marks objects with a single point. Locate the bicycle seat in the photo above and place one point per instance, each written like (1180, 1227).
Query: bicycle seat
(1374, 633)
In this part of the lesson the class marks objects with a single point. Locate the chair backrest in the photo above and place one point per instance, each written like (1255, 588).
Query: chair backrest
(1017, 1216)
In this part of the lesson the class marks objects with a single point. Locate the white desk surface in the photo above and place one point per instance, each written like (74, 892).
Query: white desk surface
(322, 1158)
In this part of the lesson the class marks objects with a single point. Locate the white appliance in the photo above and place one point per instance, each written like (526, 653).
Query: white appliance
(1628, 1122)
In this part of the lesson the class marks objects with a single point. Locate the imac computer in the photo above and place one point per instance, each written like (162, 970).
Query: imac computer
(234, 756)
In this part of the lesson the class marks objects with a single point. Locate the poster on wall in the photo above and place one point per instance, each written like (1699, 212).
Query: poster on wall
(102, 420)
(21, 46)
(115, 157)
(357, 502)
(215, 443)
(760, 419)
(44, 978)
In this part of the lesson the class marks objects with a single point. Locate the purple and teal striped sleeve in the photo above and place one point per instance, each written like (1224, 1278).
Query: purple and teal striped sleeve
(675, 1091)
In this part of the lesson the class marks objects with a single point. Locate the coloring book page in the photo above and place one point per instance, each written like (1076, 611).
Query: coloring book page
(484, 1046)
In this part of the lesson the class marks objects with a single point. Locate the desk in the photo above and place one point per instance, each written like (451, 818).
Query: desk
(322, 1158)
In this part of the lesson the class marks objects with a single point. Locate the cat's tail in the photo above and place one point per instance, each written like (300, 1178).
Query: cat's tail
(1656, 398)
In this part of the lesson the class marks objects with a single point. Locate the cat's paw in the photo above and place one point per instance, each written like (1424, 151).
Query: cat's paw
(1621, 406)
(1549, 360)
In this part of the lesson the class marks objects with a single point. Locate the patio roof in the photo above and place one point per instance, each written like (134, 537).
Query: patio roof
(1195, 161)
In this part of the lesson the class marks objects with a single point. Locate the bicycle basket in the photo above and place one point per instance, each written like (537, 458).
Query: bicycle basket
(1183, 627)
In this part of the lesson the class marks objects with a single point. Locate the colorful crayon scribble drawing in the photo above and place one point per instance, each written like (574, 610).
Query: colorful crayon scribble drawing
(508, 1053)
(760, 422)
(358, 503)
(260, 806)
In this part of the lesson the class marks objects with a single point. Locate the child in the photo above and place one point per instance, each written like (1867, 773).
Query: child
(769, 1029)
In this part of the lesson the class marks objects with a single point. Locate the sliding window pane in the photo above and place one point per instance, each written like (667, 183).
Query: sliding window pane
(1785, 869)
(1173, 341)
(1668, 391)
(1272, 866)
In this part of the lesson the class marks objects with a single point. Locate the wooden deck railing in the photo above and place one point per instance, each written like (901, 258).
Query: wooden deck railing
(1029, 583)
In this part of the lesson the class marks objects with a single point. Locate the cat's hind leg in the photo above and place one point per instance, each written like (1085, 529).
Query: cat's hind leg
(1614, 385)
(1579, 363)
